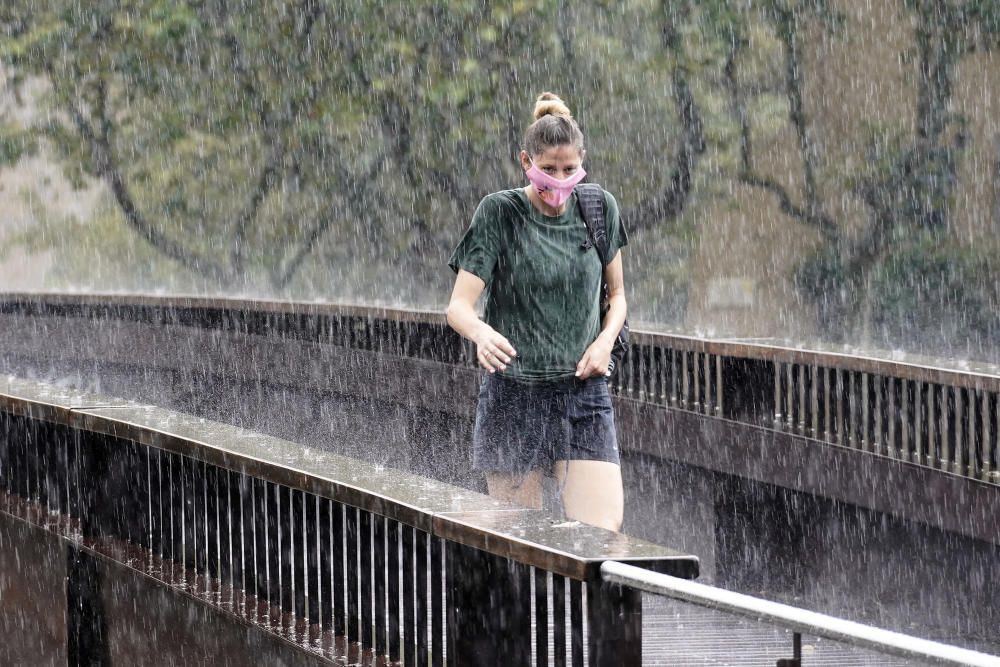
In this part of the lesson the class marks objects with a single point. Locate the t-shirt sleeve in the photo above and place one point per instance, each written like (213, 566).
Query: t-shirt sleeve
(480, 245)
(617, 235)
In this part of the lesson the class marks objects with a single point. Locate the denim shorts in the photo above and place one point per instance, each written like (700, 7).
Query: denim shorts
(522, 427)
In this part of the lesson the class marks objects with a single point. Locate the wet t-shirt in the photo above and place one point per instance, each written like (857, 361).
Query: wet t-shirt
(542, 285)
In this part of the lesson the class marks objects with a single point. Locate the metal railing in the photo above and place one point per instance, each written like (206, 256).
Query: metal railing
(337, 556)
(856, 429)
(920, 411)
(801, 621)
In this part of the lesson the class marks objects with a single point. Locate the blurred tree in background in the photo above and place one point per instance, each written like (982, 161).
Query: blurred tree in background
(337, 149)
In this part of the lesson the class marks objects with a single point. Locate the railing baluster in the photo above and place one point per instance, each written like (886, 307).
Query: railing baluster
(802, 413)
(254, 559)
(779, 417)
(339, 576)
(393, 571)
(660, 375)
(919, 423)
(718, 386)
(409, 625)
(226, 541)
(789, 392)
(236, 538)
(685, 382)
(934, 403)
(48, 498)
(632, 366)
(311, 547)
(353, 584)
(576, 622)
(366, 600)
(437, 603)
(973, 466)
(378, 537)
(261, 552)
(989, 447)
(212, 550)
(423, 607)
(559, 619)
(892, 416)
(298, 556)
(963, 435)
(695, 382)
(707, 394)
(200, 521)
(541, 617)
(865, 443)
(34, 461)
(995, 439)
(814, 375)
(188, 481)
(285, 550)
(842, 391)
(674, 380)
(878, 437)
(828, 434)
(944, 416)
(907, 416)
(379, 573)
(854, 427)
(325, 531)
(272, 551)
(157, 482)
(175, 500)
(642, 371)
(957, 440)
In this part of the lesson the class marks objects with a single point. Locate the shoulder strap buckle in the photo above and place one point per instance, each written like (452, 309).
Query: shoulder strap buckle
(590, 199)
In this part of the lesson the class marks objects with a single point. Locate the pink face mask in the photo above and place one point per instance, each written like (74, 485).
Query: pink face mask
(553, 191)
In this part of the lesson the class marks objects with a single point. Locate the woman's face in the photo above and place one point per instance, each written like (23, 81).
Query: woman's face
(557, 161)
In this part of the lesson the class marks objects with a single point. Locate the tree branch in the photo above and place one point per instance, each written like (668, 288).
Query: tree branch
(265, 184)
(99, 143)
(671, 201)
(307, 16)
(788, 30)
(811, 215)
(359, 191)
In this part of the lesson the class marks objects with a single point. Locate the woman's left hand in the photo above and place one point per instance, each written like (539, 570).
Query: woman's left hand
(595, 360)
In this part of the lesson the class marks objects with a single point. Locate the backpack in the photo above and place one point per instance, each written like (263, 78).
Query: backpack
(590, 198)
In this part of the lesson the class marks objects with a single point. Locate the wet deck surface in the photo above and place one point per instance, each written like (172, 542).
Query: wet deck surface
(679, 634)
(675, 633)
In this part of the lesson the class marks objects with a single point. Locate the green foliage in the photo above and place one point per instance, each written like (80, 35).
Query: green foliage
(242, 141)
(937, 295)
(15, 143)
(338, 148)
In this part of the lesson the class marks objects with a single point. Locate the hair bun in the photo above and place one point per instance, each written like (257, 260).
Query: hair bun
(551, 104)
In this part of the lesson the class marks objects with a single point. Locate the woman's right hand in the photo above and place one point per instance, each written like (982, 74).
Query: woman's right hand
(493, 351)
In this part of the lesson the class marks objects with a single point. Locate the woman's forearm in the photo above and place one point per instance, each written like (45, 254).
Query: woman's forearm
(462, 317)
(614, 319)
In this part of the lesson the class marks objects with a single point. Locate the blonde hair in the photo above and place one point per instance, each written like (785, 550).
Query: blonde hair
(553, 126)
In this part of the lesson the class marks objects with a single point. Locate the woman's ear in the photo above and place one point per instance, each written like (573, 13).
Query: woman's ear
(525, 160)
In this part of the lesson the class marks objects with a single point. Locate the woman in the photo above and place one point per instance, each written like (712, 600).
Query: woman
(544, 407)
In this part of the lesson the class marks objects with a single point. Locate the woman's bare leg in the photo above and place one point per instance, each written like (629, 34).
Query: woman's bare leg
(521, 489)
(592, 492)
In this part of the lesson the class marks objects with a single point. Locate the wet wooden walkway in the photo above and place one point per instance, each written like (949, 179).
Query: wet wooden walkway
(678, 634)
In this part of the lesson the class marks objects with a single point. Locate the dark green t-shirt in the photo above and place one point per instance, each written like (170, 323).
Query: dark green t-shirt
(542, 287)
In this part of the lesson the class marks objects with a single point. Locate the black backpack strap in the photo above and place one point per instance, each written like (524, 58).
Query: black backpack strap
(590, 198)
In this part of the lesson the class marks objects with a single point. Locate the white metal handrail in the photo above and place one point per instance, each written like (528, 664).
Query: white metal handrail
(794, 618)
